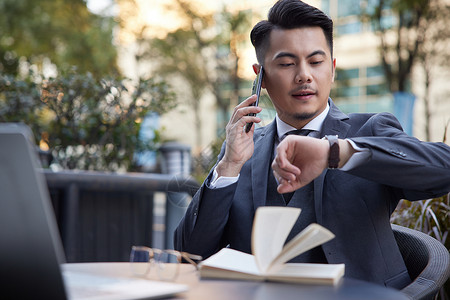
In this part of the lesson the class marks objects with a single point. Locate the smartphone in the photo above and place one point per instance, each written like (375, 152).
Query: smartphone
(256, 89)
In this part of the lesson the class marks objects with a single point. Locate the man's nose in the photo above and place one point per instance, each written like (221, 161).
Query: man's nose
(303, 74)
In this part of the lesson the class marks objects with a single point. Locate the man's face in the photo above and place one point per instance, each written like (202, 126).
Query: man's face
(299, 71)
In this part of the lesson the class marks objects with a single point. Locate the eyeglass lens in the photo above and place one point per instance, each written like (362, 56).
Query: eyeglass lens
(167, 265)
(166, 262)
(140, 258)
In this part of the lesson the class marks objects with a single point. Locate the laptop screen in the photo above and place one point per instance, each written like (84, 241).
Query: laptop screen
(30, 247)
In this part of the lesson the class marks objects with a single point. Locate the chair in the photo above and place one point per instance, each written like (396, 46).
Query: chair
(427, 261)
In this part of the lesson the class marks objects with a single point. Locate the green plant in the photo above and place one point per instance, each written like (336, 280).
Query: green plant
(205, 160)
(431, 216)
(87, 123)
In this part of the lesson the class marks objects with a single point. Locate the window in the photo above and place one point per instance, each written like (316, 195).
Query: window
(362, 89)
(346, 74)
(376, 71)
(377, 89)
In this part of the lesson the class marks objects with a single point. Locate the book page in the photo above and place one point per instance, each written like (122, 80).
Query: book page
(271, 227)
(310, 237)
(308, 273)
(232, 260)
(308, 270)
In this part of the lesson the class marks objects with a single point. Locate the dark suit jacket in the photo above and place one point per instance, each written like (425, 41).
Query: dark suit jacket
(355, 205)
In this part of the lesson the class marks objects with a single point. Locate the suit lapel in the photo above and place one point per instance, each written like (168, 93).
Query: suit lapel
(332, 125)
(260, 164)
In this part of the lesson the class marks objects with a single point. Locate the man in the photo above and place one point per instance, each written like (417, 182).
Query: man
(378, 164)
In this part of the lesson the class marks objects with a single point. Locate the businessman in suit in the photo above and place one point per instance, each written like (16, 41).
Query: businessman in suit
(347, 174)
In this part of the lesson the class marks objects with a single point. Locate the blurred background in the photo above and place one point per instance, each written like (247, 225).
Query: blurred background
(119, 86)
(104, 83)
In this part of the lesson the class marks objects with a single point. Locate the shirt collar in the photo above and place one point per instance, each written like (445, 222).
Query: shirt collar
(315, 124)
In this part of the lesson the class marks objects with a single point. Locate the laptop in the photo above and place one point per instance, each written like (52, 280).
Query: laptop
(31, 252)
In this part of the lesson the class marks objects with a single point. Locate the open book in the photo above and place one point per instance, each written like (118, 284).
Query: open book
(271, 227)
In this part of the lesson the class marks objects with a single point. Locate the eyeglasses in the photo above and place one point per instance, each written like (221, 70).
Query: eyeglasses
(167, 261)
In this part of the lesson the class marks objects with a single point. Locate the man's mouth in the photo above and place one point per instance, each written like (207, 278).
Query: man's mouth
(304, 93)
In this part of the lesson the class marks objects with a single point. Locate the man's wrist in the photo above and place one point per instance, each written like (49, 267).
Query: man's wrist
(340, 154)
(346, 151)
(228, 169)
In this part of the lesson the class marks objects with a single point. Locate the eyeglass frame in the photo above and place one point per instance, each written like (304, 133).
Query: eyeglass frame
(180, 255)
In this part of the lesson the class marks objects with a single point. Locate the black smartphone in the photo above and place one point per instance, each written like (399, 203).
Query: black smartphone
(256, 89)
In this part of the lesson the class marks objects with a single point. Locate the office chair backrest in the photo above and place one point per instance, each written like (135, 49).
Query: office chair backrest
(427, 261)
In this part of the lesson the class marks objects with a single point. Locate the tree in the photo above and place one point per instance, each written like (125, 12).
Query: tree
(202, 55)
(231, 41)
(405, 28)
(88, 116)
(59, 32)
(434, 55)
(399, 44)
(87, 123)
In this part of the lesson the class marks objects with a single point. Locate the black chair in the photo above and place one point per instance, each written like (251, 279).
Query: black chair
(427, 261)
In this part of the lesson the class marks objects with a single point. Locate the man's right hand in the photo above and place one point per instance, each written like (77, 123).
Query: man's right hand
(239, 144)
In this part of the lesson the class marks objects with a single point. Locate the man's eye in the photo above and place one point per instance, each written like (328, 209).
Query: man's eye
(286, 64)
(317, 62)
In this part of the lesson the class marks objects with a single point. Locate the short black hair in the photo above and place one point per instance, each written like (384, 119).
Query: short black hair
(289, 14)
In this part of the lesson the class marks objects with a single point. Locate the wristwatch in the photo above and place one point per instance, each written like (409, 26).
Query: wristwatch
(333, 158)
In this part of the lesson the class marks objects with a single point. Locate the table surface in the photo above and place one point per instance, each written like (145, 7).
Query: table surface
(213, 289)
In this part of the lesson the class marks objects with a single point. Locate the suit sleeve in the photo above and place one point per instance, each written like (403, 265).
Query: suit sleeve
(201, 231)
(421, 169)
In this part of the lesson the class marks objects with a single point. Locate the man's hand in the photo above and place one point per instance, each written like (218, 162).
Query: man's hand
(239, 144)
(301, 159)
